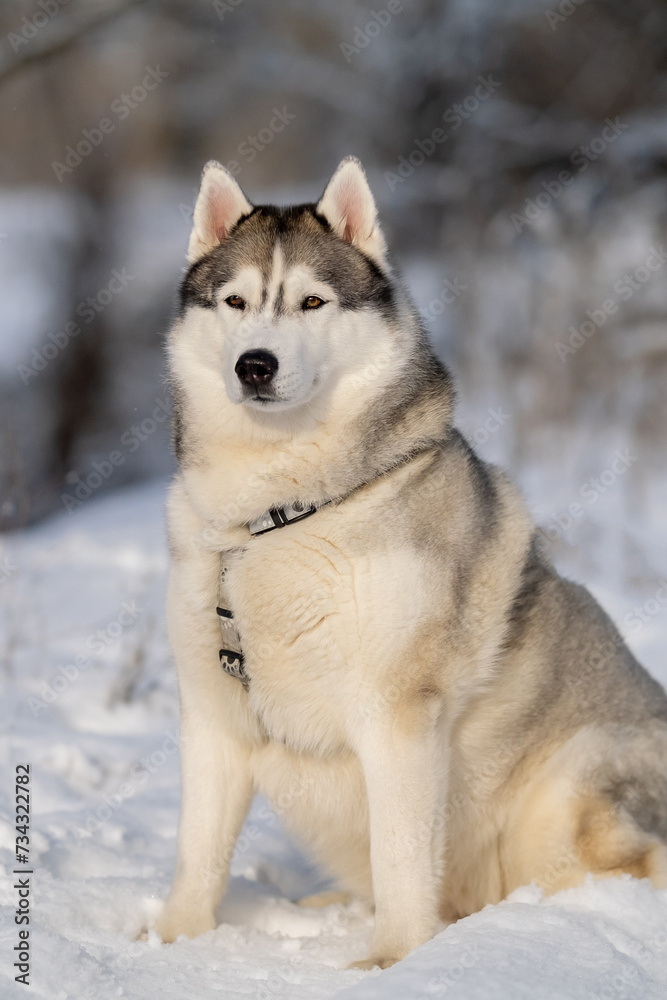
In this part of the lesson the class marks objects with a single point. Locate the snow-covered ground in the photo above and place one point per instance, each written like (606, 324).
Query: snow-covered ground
(100, 734)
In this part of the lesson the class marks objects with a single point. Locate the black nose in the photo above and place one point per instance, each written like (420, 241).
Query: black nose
(256, 367)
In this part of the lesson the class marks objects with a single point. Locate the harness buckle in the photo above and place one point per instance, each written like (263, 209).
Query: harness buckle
(278, 517)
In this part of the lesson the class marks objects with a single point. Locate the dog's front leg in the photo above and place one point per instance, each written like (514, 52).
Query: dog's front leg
(216, 782)
(404, 759)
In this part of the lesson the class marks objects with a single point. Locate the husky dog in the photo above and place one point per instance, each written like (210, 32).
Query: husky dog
(438, 716)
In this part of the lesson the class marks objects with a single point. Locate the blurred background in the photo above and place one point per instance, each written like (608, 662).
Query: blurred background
(518, 153)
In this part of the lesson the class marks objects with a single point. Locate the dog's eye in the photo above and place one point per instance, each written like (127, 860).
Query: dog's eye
(235, 301)
(312, 302)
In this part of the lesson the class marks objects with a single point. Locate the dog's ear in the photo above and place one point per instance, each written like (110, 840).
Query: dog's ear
(219, 206)
(348, 206)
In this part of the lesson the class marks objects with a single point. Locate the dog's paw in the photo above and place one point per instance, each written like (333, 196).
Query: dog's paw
(375, 962)
(172, 924)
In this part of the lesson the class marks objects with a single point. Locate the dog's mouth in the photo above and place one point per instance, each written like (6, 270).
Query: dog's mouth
(258, 392)
(265, 397)
(258, 389)
(261, 384)
(262, 399)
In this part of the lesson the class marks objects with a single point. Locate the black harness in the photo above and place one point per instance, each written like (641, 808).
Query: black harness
(231, 656)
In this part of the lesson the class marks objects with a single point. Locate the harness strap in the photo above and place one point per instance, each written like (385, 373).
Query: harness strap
(231, 655)
(278, 517)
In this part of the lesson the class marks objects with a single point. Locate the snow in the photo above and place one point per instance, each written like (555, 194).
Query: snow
(100, 734)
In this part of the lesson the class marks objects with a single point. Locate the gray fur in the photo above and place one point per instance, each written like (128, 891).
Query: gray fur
(305, 236)
(411, 635)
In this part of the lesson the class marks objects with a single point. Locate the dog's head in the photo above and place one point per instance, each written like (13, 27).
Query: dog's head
(288, 300)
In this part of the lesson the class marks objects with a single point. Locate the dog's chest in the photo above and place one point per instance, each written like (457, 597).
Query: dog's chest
(323, 625)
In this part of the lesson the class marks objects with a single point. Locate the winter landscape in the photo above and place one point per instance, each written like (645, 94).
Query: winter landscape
(533, 238)
(101, 740)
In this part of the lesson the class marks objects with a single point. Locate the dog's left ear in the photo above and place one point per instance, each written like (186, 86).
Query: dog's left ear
(219, 206)
(348, 206)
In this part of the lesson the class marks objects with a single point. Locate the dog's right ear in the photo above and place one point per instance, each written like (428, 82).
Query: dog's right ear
(219, 206)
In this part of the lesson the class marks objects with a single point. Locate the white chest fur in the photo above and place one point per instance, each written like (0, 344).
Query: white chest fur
(327, 613)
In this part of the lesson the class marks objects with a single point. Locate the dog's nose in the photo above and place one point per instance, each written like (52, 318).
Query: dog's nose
(256, 367)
